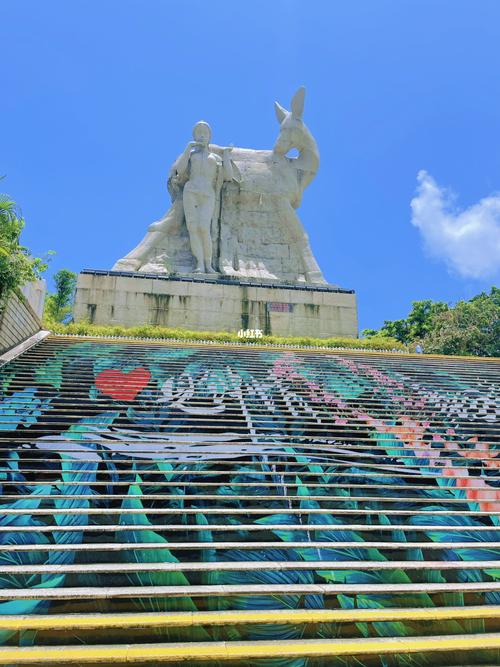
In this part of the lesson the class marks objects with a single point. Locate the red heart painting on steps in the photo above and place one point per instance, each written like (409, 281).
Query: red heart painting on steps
(122, 385)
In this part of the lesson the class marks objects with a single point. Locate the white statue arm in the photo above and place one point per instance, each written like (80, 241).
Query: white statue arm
(227, 165)
(180, 166)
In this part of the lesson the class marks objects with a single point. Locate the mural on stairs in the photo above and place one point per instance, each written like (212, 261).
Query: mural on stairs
(131, 443)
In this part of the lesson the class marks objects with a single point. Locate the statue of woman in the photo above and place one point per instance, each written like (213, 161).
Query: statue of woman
(194, 183)
(200, 166)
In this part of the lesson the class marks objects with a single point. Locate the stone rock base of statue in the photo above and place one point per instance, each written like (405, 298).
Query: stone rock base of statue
(211, 303)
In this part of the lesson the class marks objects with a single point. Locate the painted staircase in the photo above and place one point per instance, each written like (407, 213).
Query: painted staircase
(251, 506)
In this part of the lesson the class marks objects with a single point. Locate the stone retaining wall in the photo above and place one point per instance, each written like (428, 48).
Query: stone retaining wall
(18, 322)
(109, 298)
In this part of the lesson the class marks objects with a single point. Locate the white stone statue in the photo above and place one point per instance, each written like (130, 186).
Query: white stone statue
(200, 166)
(233, 209)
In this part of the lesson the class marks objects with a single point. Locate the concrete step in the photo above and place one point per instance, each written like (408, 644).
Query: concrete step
(249, 485)
(373, 467)
(102, 593)
(228, 511)
(244, 650)
(101, 622)
(288, 498)
(390, 545)
(250, 527)
(374, 473)
(247, 566)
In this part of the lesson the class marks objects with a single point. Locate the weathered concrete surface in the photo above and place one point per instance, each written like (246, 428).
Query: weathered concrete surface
(111, 298)
(18, 321)
(35, 294)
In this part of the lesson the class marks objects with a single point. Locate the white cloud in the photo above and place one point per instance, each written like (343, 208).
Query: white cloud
(469, 240)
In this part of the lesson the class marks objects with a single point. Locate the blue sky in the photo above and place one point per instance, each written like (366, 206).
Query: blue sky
(99, 97)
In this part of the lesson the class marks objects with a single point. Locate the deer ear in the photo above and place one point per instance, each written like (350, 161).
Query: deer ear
(298, 102)
(281, 113)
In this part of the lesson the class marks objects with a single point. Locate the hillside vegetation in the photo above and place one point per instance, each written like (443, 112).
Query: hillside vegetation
(467, 328)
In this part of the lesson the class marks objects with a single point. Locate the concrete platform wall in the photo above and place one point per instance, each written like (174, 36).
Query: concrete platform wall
(111, 298)
(35, 294)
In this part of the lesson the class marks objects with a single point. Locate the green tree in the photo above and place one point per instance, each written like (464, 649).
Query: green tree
(59, 305)
(416, 326)
(17, 265)
(471, 327)
(421, 317)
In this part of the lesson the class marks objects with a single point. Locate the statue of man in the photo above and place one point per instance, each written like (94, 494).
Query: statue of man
(194, 182)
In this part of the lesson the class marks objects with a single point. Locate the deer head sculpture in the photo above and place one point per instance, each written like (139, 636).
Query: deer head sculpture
(294, 134)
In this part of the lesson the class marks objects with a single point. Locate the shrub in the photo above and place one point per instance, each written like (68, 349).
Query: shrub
(153, 332)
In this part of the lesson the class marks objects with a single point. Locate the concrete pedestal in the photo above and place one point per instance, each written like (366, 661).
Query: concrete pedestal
(211, 304)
